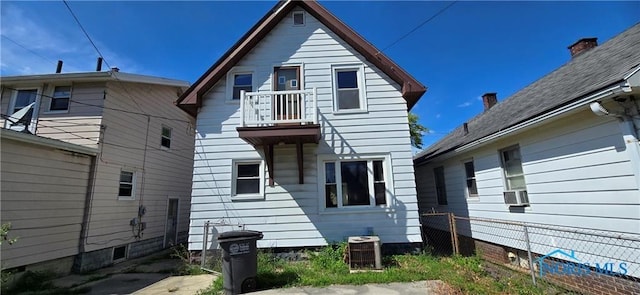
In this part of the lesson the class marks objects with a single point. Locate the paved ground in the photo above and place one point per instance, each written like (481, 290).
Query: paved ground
(413, 288)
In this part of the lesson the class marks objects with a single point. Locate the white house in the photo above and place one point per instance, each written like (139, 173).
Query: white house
(302, 134)
(136, 200)
(563, 151)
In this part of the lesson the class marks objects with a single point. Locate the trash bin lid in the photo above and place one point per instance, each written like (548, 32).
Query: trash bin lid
(240, 235)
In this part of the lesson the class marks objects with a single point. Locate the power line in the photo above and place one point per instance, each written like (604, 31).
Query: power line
(27, 49)
(115, 75)
(420, 25)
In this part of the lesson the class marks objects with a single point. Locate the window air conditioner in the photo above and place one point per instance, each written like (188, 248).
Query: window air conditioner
(364, 253)
(516, 198)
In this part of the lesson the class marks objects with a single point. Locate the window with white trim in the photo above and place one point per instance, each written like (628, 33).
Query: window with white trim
(248, 179)
(60, 99)
(165, 140)
(127, 187)
(512, 166)
(361, 182)
(348, 88)
(470, 175)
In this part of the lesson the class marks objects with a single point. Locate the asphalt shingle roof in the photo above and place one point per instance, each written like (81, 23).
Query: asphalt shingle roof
(584, 74)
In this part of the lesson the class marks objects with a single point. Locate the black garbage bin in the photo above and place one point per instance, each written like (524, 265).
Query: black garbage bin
(239, 260)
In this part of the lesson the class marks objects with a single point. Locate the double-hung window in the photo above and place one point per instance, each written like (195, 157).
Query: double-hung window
(355, 183)
(60, 98)
(512, 164)
(349, 91)
(248, 180)
(470, 175)
(165, 140)
(241, 81)
(126, 189)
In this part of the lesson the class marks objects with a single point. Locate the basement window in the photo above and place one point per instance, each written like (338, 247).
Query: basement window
(119, 253)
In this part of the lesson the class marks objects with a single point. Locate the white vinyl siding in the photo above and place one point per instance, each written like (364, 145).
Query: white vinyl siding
(577, 172)
(289, 215)
(43, 196)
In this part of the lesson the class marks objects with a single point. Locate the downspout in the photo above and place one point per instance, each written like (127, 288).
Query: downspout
(84, 227)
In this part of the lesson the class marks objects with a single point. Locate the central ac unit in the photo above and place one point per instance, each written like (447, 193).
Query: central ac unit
(364, 253)
(516, 198)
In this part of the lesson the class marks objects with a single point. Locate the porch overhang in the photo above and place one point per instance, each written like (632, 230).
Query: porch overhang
(269, 136)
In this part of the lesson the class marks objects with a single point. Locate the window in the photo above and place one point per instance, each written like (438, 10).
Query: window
(512, 164)
(119, 253)
(362, 183)
(60, 98)
(21, 99)
(165, 141)
(241, 82)
(441, 190)
(248, 180)
(298, 18)
(472, 189)
(348, 88)
(127, 185)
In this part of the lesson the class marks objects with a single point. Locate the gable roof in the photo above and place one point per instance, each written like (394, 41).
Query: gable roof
(190, 101)
(95, 77)
(583, 75)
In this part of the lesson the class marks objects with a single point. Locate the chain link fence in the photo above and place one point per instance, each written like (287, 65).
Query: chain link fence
(576, 258)
(211, 255)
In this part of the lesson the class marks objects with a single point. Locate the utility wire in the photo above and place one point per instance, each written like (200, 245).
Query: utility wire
(115, 75)
(420, 25)
(27, 49)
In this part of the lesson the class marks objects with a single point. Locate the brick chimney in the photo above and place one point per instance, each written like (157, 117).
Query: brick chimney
(582, 45)
(489, 100)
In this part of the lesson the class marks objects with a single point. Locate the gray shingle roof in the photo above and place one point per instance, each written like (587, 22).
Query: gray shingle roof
(584, 74)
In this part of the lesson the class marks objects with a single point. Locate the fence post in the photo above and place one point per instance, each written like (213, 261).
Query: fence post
(526, 239)
(454, 234)
(205, 241)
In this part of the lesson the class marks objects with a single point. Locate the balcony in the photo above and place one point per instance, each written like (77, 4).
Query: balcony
(271, 118)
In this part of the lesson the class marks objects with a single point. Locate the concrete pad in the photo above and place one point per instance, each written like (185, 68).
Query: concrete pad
(125, 283)
(163, 265)
(411, 288)
(182, 285)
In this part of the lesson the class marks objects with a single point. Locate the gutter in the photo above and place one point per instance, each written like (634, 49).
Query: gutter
(621, 87)
(43, 141)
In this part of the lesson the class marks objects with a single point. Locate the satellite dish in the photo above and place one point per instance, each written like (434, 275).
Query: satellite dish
(19, 116)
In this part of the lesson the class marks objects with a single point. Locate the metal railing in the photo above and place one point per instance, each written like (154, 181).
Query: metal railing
(265, 108)
(211, 255)
(545, 251)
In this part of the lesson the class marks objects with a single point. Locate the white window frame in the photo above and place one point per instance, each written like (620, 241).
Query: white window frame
(230, 81)
(504, 168)
(234, 178)
(467, 178)
(133, 185)
(359, 68)
(304, 18)
(337, 159)
(162, 136)
(36, 107)
(51, 97)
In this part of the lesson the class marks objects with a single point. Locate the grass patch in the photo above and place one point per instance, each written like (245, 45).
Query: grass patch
(466, 275)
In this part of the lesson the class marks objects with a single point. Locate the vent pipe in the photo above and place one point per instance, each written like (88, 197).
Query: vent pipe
(59, 67)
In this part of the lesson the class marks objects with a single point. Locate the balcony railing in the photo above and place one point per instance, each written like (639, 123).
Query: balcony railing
(268, 108)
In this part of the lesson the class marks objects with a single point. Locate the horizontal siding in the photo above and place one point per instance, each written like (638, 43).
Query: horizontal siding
(289, 215)
(577, 172)
(46, 222)
(132, 142)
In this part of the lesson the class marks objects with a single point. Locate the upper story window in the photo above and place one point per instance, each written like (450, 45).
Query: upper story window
(126, 189)
(349, 88)
(241, 81)
(362, 183)
(298, 18)
(512, 165)
(472, 189)
(165, 141)
(20, 99)
(60, 98)
(248, 180)
(441, 188)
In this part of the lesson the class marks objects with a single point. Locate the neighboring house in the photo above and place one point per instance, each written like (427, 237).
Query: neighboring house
(137, 198)
(562, 151)
(302, 134)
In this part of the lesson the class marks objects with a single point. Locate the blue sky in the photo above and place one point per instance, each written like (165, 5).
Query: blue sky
(470, 49)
